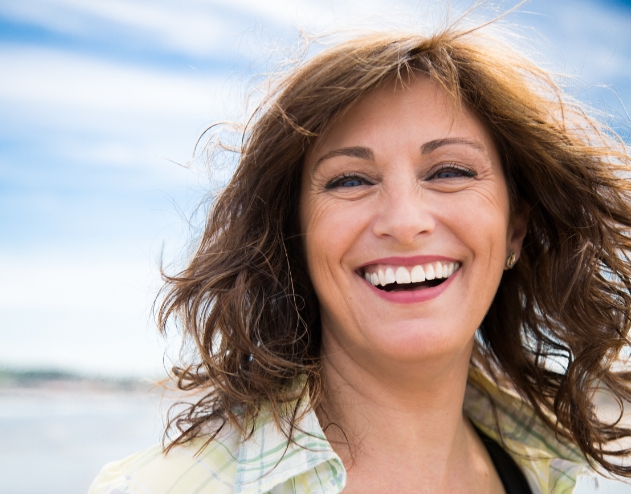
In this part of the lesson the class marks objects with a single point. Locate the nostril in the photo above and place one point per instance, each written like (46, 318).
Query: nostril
(404, 217)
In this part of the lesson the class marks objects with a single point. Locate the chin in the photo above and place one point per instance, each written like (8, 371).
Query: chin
(417, 342)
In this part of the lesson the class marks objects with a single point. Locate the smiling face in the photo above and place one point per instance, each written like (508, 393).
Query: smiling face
(407, 225)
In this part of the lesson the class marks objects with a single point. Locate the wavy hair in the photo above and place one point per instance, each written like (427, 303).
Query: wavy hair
(246, 303)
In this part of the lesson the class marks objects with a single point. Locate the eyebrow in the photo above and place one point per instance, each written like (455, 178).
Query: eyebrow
(354, 152)
(430, 146)
(365, 153)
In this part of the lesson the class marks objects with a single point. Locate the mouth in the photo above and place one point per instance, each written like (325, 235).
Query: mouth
(393, 278)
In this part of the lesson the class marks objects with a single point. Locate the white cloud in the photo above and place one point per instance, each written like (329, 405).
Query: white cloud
(196, 28)
(86, 110)
(89, 312)
(201, 28)
(39, 76)
(63, 283)
(189, 27)
(586, 39)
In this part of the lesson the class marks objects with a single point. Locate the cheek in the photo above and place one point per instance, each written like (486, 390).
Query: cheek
(329, 231)
(334, 233)
(484, 213)
(482, 225)
(316, 231)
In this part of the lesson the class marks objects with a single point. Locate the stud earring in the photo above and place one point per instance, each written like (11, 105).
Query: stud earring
(511, 260)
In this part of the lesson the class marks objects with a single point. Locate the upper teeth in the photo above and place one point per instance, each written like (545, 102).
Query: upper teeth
(385, 275)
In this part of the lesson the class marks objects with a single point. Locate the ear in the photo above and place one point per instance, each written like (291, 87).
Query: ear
(518, 227)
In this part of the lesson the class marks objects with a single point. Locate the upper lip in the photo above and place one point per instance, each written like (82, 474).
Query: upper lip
(408, 261)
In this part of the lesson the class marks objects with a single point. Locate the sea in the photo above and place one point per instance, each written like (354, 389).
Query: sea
(55, 436)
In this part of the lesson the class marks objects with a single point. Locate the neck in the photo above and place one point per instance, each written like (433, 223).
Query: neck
(398, 413)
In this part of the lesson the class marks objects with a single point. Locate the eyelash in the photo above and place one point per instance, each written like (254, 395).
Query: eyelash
(337, 182)
(466, 172)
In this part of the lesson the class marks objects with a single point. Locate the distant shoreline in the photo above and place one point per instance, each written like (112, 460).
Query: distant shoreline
(54, 378)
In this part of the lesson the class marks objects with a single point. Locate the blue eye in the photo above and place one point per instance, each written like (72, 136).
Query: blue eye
(346, 182)
(448, 174)
(452, 171)
(350, 182)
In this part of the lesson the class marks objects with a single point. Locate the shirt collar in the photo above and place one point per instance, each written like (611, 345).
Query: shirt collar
(551, 465)
(268, 459)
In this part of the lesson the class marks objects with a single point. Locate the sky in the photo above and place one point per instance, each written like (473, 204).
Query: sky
(102, 103)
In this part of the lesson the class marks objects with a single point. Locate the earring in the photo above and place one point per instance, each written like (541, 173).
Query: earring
(511, 260)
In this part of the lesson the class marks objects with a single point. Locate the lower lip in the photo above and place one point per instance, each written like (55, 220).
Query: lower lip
(413, 296)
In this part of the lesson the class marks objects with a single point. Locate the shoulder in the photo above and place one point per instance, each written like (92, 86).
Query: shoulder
(197, 466)
(265, 461)
(549, 463)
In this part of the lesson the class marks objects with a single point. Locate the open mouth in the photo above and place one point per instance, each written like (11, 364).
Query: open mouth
(392, 278)
(395, 287)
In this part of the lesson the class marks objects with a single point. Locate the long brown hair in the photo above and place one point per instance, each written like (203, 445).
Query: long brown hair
(246, 303)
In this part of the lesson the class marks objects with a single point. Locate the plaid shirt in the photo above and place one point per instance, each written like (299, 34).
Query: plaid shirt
(267, 463)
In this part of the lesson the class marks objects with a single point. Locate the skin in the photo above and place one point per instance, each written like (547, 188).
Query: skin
(397, 371)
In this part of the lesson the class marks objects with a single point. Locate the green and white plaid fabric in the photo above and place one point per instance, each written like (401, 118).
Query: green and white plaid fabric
(268, 463)
(550, 466)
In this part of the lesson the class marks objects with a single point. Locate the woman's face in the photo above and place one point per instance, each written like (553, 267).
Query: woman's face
(400, 190)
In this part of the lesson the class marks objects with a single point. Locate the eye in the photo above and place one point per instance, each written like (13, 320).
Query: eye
(347, 181)
(451, 171)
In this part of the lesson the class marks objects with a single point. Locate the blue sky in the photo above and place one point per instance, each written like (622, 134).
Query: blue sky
(101, 99)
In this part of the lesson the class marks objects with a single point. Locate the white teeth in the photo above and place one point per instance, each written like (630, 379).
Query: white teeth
(446, 268)
(382, 277)
(418, 274)
(438, 269)
(430, 274)
(402, 275)
(390, 276)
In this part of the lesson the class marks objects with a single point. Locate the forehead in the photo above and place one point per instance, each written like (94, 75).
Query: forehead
(417, 107)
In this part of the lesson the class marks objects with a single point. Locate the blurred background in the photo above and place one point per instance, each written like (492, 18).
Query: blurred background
(102, 102)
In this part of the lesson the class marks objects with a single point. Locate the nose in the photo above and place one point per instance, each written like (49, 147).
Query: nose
(404, 214)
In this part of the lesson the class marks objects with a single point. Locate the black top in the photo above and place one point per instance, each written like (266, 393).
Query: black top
(511, 476)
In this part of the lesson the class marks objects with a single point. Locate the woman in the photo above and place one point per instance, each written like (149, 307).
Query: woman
(416, 281)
